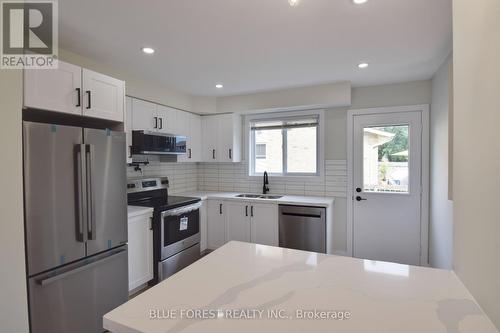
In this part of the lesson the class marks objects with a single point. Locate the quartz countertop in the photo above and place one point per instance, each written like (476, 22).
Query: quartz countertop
(284, 200)
(136, 211)
(278, 289)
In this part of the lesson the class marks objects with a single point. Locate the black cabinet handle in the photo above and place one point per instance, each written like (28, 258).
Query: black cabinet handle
(213, 154)
(161, 123)
(156, 122)
(78, 97)
(189, 150)
(246, 210)
(230, 154)
(251, 211)
(220, 209)
(130, 151)
(89, 106)
(150, 223)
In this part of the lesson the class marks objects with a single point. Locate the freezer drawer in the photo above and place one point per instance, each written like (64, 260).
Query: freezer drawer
(302, 228)
(75, 298)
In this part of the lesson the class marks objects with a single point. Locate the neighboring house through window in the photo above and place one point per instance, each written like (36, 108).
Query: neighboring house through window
(285, 146)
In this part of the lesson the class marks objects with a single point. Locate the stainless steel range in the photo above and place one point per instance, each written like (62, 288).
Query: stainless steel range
(176, 224)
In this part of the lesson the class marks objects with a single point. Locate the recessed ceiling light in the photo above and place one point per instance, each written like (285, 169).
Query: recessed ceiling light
(219, 86)
(363, 65)
(293, 3)
(148, 50)
(359, 2)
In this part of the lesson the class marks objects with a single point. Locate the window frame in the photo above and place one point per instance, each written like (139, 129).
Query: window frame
(250, 138)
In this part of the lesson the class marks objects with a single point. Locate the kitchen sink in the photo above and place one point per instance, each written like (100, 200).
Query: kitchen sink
(259, 196)
(271, 197)
(255, 196)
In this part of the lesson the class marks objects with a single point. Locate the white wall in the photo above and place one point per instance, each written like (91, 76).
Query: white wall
(13, 299)
(476, 153)
(331, 95)
(441, 208)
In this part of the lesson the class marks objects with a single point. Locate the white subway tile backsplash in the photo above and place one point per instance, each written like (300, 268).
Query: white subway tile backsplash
(233, 177)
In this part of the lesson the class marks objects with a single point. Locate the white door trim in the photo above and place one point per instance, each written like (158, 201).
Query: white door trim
(424, 221)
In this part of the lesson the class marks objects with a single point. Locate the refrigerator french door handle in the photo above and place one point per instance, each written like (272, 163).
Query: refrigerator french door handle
(49, 280)
(91, 219)
(82, 191)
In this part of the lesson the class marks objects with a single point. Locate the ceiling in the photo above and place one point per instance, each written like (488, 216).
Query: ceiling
(258, 45)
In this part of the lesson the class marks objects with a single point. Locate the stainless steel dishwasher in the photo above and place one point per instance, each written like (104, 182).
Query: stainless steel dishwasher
(302, 228)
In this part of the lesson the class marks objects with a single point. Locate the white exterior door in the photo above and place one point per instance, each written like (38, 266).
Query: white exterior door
(104, 96)
(387, 186)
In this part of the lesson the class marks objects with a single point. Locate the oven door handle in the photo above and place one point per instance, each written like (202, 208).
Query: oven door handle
(181, 210)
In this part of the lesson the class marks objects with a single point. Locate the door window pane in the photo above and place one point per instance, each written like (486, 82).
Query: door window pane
(268, 151)
(386, 158)
(302, 150)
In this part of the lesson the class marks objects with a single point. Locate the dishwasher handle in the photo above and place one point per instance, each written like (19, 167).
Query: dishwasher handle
(316, 216)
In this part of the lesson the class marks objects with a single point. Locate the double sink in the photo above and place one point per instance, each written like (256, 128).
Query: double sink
(259, 196)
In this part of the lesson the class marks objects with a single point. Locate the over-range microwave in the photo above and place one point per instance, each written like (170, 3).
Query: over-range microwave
(154, 143)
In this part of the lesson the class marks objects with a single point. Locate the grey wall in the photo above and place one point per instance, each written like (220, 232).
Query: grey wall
(13, 301)
(476, 150)
(441, 208)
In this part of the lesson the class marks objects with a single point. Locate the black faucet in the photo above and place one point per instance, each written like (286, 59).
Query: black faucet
(265, 188)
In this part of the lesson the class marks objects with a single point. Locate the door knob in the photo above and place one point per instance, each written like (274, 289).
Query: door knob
(358, 198)
(358, 189)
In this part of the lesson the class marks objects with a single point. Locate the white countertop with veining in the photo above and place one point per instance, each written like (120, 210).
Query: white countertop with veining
(379, 296)
(284, 200)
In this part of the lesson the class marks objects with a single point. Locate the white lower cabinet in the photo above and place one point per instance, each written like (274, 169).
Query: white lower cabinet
(264, 224)
(140, 250)
(216, 233)
(243, 221)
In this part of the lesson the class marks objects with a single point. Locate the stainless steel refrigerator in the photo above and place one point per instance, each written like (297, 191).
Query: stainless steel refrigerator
(76, 226)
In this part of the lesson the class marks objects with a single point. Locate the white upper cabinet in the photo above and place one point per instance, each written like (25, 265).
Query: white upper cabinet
(54, 89)
(144, 115)
(209, 144)
(127, 125)
(182, 124)
(190, 126)
(222, 138)
(167, 118)
(104, 96)
(75, 90)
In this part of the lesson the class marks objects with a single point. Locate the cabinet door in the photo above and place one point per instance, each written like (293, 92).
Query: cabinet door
(237, 221)
(195, 138)
(128, 128)
(104, 96)
(225, 138)
(216, 233)
(181, 126)
(167, 118)
(203, 226)
(264, 221)
(210, 129)
(144, 115)
(140, 250)
(54, 89)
